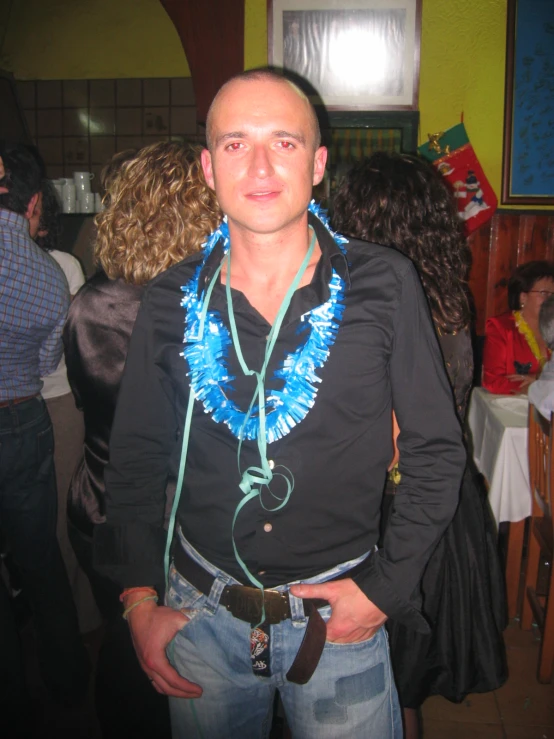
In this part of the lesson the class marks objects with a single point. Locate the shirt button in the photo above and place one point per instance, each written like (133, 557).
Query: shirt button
(271, 464)
(261, 572)
(267, 527)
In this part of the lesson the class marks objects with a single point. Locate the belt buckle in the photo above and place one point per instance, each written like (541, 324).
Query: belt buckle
(245, 603)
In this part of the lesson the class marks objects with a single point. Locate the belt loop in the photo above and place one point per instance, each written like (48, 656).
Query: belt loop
(214, 597)
(297, 614)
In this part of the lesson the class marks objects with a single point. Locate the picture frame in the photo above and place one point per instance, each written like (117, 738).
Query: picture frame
(528, 155)
(355, 54)
(351, 135)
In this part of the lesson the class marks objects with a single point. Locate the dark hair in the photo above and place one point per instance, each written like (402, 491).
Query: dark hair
(402, 201)
(23, 177)
(524, 277)
(546, 321)
(49, 218)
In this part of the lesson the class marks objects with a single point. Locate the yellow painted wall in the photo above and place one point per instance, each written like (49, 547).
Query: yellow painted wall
(255, 33)
(463, 52)
(91, 39)
(462, 55)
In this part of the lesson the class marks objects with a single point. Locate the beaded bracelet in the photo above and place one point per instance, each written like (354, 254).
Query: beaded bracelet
(128, 610)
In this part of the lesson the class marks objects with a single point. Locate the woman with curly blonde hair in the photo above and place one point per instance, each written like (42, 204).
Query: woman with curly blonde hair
(159, 211)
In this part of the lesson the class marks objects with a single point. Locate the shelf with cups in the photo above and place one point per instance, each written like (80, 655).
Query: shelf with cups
(75, 195)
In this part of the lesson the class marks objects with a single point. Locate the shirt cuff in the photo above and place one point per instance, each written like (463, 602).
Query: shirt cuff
(131, 554)
(377, 588)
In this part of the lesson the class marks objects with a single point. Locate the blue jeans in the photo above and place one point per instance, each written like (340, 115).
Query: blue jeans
(28, 513)
(350, 696)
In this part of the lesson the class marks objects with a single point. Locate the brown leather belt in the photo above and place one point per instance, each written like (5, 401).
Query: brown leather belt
(245, 603)
(16, 401)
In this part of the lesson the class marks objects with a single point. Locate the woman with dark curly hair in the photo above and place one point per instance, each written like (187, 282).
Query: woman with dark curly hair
(401, 201)
(159, 211)
(515, 352)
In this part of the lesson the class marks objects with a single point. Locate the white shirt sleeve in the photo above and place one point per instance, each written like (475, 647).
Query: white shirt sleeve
(71, 268)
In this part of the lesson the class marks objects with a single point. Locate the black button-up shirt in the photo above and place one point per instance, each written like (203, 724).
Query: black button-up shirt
(385, 357)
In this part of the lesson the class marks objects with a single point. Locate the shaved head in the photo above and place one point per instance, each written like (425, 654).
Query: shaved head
(259, 75)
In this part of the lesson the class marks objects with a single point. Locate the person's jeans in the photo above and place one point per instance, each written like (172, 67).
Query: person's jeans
(350, 696)
(28, 511)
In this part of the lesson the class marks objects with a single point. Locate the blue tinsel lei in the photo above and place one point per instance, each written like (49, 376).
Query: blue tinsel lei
(206, 347)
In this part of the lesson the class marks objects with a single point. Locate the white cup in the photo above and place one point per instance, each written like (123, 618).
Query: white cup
(68, 190)
(86, 202)
(68, 205)
(82, 181)
(69, 198)
(58, 187)
(98, 207)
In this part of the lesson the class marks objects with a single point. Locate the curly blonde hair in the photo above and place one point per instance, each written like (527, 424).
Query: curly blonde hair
(160, 210)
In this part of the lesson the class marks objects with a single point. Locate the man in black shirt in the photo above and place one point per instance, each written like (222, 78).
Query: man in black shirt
(270, 365)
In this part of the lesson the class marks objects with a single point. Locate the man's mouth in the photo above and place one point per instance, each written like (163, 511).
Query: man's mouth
(262, 194)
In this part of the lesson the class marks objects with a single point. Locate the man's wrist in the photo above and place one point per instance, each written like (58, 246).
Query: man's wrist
(131, 595)
(134, 606)
(134, 599)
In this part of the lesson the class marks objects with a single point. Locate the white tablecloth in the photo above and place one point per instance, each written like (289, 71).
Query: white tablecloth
(498, 436)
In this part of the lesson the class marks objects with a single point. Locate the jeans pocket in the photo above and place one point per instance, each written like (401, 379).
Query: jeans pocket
(182, 596)
(326, 615)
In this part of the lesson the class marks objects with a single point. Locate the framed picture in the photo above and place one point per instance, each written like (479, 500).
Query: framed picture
(528, 161)
(356, 54)
(351, 135)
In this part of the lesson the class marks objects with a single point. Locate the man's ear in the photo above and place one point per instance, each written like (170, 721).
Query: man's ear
(31, 206)
(206, 159)
(320, 160)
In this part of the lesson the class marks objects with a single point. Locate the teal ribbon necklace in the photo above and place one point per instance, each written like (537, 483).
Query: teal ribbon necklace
(205, 348)
(254, 478)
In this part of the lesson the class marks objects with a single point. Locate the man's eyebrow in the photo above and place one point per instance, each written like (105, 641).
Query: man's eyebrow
(290, 135)
(275, 134)
(231, 135)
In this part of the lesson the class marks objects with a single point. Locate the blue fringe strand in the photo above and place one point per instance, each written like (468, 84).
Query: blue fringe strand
(206, 352)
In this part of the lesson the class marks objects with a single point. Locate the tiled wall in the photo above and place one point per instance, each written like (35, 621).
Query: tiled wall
(80, 124)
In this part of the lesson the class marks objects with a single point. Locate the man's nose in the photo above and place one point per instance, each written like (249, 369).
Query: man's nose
(260, 165)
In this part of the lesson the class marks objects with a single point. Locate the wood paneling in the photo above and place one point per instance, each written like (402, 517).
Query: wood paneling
(498, 247)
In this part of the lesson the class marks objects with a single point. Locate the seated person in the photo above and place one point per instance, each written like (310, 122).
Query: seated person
(515, 351)
(541, 392)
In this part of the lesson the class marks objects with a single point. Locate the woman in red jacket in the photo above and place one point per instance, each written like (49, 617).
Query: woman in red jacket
(515, 351)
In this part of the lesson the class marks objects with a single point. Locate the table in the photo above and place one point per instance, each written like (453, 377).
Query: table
(498, 440)
(498, 437)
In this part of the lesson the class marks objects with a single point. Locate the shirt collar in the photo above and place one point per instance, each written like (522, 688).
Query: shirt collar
(14, 221)
(331, 257)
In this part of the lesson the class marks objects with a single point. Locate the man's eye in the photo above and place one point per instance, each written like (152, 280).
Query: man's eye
(286, 145)
(234, 146)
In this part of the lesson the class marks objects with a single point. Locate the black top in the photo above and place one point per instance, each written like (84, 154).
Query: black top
(96, 339)
(386, 348)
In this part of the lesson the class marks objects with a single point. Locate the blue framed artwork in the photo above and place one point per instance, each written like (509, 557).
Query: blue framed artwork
(528, 164)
